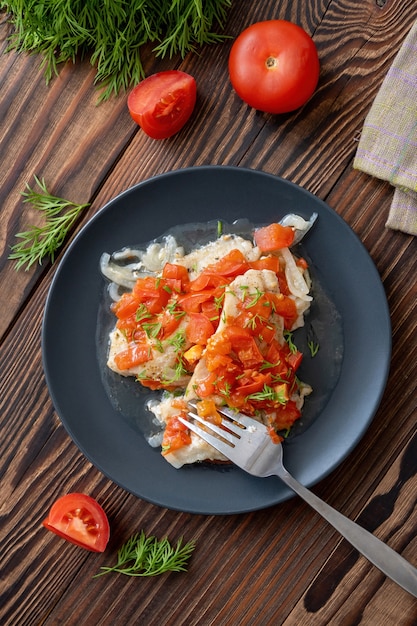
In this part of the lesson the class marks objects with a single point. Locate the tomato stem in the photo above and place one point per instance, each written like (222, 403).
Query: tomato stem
(271, 63)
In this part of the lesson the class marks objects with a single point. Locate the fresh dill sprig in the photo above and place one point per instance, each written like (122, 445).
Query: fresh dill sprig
(148, 556)
(62, 31)
(41, 241)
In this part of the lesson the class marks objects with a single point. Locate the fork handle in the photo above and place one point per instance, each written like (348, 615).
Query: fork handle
(376, 551)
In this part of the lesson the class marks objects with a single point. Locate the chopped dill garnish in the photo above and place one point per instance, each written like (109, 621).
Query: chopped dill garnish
(173, 310)
(152, 329)
(313, 347)
(288, 336)
(255, 297)
(218, 301)
(312, 341)
(268, 393)
(180, 370)
(177, 341)
(142, 313)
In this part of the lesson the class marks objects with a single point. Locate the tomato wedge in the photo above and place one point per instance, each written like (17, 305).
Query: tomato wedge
(79, 519)
(162, 103)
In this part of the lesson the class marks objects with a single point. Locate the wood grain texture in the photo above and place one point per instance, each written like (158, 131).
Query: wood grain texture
(280, 566)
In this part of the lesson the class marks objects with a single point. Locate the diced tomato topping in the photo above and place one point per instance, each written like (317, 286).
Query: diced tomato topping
(266, 263)
(199, 328)
(127, 324)
(173, 285)
(176, 436)
(249, 353)
(232, 264)
(179, 403)
(273, 237)
(294, 360)
(134, 355)
(153, 384)
(286, 307)
(192, 302)
(211, 310)
(169, 320)
(207, 280)
(286, 415)
(154, 293)
(245, 363)
(208, 410)
(177, 272)
(126, 306)
(266, 333)
(274, 352)
(253, 383)
(244, 345)
(219, 344)
(282, 283)
(215, 361)
(193, 355)
(206, 387)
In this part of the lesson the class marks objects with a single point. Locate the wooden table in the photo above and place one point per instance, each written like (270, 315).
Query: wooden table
(282, 565)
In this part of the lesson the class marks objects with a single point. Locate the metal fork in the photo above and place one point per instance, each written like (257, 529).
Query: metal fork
(247, 443)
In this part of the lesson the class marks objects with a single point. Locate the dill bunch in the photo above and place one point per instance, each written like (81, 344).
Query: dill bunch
(148, 556)
(42, 241)
(112, 33)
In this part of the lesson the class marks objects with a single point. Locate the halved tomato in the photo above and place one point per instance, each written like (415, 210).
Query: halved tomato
(162, 103)
(80, 519)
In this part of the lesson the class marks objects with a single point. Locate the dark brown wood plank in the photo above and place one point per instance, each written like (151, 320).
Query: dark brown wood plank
(289, 529)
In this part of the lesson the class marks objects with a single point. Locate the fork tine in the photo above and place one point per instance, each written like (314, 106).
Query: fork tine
(239, 418)
(220, 431)
(232, 414)
(221, 445)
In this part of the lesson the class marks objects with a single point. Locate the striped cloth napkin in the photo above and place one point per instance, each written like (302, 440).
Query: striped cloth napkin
(387, 147)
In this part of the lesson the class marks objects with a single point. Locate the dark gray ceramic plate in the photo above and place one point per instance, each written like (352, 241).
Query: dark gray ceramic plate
(350, 321)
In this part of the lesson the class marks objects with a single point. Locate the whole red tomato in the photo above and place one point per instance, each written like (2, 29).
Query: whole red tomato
(162, 103)
(274, 66)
